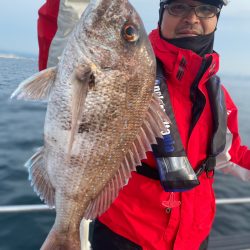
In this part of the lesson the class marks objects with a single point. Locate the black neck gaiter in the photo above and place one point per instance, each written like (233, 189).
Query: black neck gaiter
(201, 45)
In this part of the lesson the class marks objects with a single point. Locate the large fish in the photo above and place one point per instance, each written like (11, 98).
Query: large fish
(102, 117)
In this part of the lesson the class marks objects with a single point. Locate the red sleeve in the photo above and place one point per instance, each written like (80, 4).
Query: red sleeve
(240, 154)
(46, 29)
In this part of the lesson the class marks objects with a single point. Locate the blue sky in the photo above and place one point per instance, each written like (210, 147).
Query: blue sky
(18, 20)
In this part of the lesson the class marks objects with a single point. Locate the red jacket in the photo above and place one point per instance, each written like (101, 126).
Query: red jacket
(138, 213)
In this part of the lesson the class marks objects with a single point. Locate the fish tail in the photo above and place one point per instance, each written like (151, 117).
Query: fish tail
(57, 241)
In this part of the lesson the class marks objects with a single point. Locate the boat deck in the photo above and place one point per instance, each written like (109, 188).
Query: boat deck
(236, 242)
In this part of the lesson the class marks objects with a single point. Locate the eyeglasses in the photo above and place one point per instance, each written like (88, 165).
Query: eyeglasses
(201, 11)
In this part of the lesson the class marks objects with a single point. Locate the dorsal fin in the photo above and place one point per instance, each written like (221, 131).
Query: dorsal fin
(152, 128)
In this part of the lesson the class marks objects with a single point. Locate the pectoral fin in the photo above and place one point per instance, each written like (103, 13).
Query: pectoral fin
(36, 87)
(82, 81)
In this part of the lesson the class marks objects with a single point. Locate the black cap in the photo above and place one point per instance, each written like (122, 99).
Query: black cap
(217, 3)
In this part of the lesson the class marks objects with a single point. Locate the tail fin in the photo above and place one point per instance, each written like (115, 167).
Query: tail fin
(57, 241)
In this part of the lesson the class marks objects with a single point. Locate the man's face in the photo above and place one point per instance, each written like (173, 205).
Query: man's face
(188, 25)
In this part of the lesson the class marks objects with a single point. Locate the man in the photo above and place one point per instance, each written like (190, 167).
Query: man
(144, 216)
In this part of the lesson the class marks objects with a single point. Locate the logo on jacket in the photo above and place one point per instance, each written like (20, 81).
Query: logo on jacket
(167, 137)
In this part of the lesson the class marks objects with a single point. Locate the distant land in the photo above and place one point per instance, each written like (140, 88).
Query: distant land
(17, 55)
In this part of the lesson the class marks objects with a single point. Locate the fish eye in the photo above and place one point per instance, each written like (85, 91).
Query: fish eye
(130, 33)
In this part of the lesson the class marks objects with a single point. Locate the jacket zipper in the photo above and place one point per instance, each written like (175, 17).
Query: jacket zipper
(196, 96)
